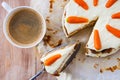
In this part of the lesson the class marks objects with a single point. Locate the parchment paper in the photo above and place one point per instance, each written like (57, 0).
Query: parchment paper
(82, 67)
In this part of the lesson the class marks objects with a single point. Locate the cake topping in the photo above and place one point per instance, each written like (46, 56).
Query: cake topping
(97, 42)
(116, 15)
(110, 3)
(114, 31)
(95, 2)
(52, 59)
(75, 19)
(82, 3)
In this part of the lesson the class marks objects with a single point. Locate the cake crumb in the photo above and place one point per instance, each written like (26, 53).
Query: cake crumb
(47, 20)
(51, 5)
(110, 69)
(64, 14)
(54, 32)
(108, 58)
(50, 10)
(49, 29)
(118, 59)
(95, 65)
(101, 70)
(65, 0)
(118, 66)
(47, 40)
(58, 43)
(115, 67)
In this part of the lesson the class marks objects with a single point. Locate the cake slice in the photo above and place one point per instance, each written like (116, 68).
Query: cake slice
(103, 42)
(57, 60)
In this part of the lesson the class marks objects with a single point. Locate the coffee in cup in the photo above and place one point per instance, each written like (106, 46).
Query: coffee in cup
(24, 27)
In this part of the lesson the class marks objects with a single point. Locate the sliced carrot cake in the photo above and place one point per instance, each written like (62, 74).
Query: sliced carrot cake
(56, 60)
(105, 37)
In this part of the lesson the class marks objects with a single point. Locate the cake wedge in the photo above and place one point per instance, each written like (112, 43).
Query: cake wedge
(57, 60)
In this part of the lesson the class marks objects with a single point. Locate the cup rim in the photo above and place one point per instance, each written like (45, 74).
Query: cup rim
(26, 45)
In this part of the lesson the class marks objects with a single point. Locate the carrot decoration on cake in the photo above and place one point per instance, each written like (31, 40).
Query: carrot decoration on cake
(97, 42)
(116, 15)
(95, 2)
(110, 3)
(113, 30)
(52, 59)
(82, 3)
(75, 19)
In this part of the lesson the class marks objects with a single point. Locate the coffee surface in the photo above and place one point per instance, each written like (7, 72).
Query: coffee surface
(25, 26)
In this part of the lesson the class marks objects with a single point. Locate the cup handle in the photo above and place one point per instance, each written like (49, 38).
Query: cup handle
(6, 6)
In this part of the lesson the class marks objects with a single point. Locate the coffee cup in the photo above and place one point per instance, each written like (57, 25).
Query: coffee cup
(23, 26)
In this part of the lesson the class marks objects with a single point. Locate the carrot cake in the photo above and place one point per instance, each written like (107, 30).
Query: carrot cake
(56, 60)
(105, 37)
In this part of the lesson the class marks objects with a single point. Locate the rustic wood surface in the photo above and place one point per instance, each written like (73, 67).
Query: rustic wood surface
(16, 63)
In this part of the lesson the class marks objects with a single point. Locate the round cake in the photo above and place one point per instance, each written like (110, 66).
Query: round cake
(105, 37)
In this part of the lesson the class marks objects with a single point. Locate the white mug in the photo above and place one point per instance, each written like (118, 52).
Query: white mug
(10, 13)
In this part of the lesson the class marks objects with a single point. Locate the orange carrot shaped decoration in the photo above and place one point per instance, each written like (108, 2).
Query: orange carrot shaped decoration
(52, 59)
(75, 19)
(110, 3)
(95, 2)
(114, 31)
(97, 42)
(82, 3)
(116, 15)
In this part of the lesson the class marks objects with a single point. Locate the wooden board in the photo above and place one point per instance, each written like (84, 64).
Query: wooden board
(15, 63)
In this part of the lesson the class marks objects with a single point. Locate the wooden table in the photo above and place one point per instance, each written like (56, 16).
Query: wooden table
(16, 63)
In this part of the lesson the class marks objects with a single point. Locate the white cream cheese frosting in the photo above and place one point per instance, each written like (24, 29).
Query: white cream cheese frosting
(108, 40)
(73, 9)
(65, 52)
